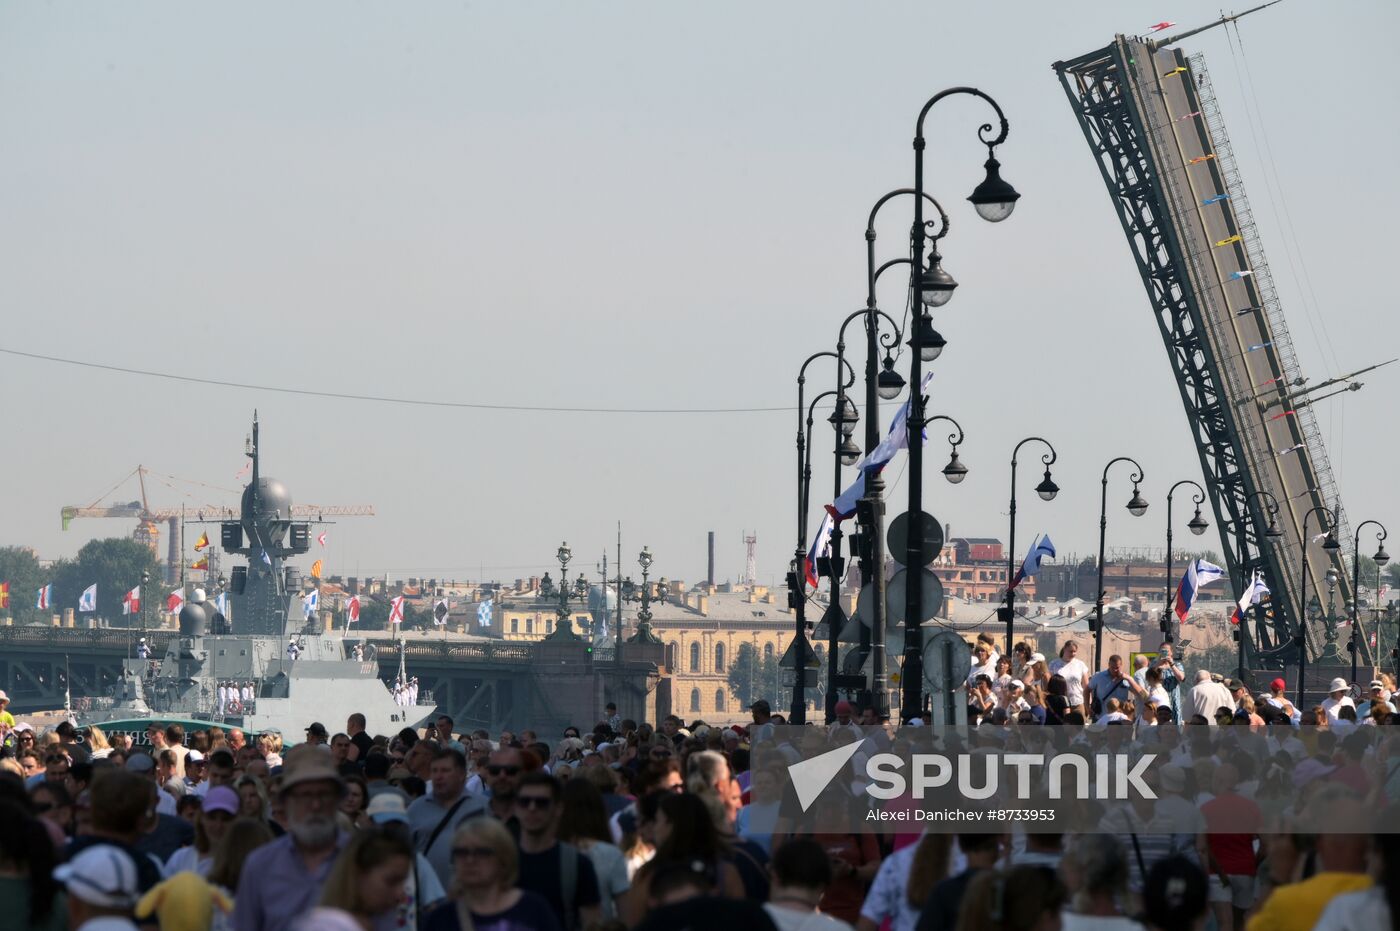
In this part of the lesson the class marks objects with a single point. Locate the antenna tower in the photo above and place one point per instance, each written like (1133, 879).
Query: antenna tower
(751, 560)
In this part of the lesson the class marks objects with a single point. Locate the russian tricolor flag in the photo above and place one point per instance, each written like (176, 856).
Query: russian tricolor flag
(1197, 574)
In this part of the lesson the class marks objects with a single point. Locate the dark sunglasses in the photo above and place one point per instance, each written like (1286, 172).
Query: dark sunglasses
(533, 801)
(472, 853)
(508, 770)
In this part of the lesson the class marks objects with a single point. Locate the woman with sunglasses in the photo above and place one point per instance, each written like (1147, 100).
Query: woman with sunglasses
(486, 897)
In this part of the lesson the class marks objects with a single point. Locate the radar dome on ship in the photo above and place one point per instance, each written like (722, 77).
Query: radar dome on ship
(274, 500)
(194, 620)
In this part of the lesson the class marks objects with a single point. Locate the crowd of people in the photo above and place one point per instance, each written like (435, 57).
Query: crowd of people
(682, 825)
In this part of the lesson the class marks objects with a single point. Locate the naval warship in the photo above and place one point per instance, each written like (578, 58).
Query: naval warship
(253, 658)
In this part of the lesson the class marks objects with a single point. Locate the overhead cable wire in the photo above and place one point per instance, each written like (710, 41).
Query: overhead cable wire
(386, 399)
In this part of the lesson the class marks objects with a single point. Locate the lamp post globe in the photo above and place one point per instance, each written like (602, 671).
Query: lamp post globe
(1381, 557)
(927, 341)
(1047, 489)
(1331, 545)
(1198, 524)
(936, 286)
(955, 471)
(1137, 505)
(889, 383)
(850, 452)
(994, 198)
(564, 554)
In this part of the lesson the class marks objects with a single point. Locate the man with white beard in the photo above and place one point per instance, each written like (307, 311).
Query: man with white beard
(282, 880)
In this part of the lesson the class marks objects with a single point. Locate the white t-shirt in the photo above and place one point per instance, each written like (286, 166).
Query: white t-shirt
(1332, 705)
(1072, 921)
(187, 859)
(790, 919)
(1356, 911)
(989, 670)
(888, 896)
(1074, 672)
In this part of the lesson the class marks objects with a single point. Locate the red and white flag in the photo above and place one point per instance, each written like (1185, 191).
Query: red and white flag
(396, 610)
(352, 611)
(321, 538)
(174, 601)
(1158, 27)
(131, 601)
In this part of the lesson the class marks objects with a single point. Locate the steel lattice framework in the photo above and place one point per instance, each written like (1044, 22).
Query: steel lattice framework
(1151, 118)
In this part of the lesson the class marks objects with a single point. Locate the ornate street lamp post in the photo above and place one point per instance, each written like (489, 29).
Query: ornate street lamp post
(1197, 525)
(994, 200)
(1047, 490)
(1381, 558)
(564, 624)
(1329, 546)
(644, 632)
(1137, 506)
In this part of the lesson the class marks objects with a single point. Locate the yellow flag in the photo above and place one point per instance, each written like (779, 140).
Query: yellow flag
(1226, 242)
(1178, 70)
(202, 542)
(1202, 158)
(201, 563)
(316, 569)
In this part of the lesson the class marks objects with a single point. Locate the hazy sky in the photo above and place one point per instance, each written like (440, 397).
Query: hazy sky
(624, 205)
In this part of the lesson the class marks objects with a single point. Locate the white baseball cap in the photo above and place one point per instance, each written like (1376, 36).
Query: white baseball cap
(101, 875)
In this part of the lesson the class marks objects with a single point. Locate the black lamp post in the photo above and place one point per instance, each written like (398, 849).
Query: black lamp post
(844, 420)
(1137, 506)
(994, 200)
(1381, 558)
(885, 384)
(1047, 489)
(1197, 525)
(1329, 546)
(145, 582)
(564, 624)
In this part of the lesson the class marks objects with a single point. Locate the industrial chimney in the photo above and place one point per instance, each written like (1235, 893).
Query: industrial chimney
(711, 577)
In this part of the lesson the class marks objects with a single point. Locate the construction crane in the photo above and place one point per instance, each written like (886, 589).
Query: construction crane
(148, 519)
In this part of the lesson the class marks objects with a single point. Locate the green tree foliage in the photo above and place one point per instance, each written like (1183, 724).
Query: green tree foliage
(115, 564)
(20, 568)
(1222, 659)
(752, 677)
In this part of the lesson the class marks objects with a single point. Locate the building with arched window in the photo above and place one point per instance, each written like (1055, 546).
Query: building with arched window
(703, 629)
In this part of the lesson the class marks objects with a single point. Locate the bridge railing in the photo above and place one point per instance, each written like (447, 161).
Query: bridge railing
(81, 636)
(497, 652)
